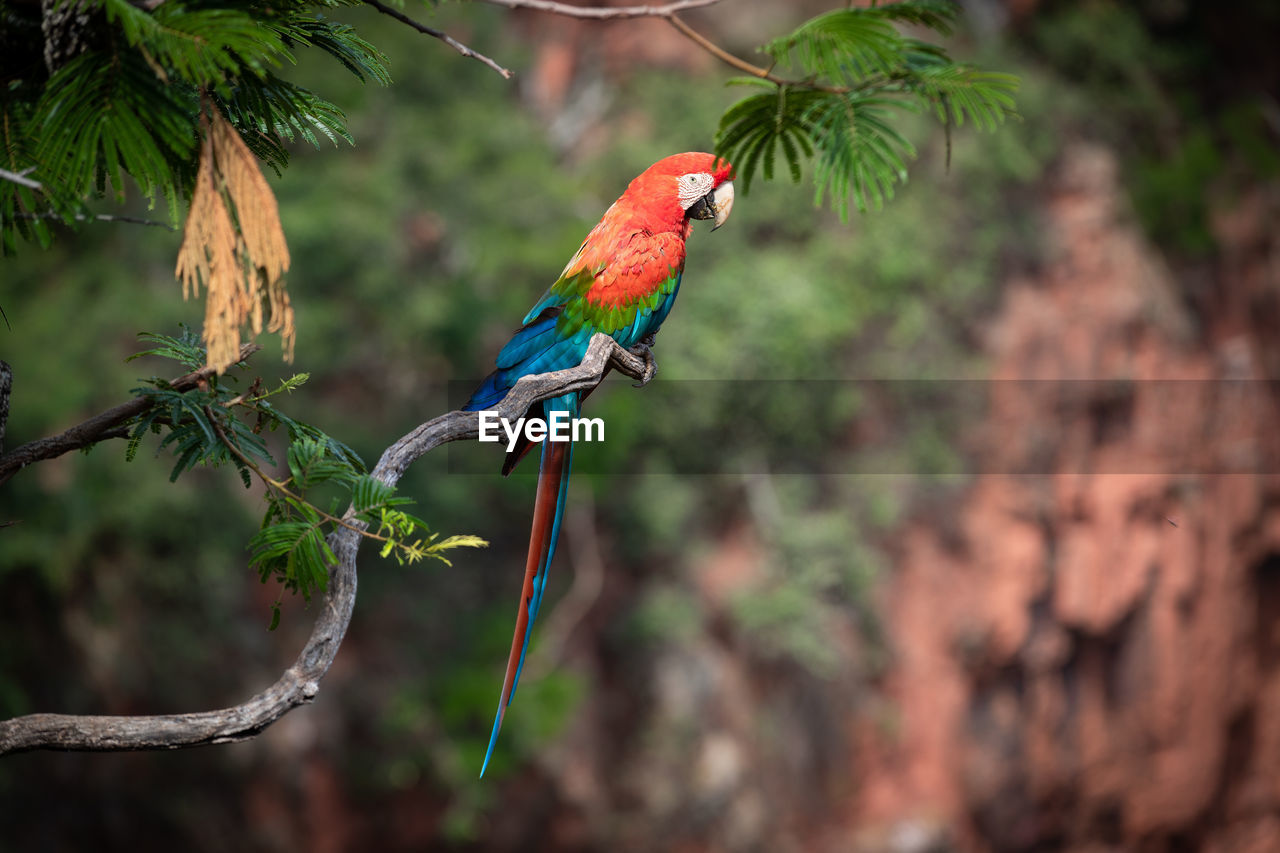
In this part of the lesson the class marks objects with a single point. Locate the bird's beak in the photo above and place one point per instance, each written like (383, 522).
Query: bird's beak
(721, 202)
(714, 205)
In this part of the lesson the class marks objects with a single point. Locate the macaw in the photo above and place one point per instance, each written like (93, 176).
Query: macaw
(622, 281)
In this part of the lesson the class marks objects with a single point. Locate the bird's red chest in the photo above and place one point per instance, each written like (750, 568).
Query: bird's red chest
(637, 267)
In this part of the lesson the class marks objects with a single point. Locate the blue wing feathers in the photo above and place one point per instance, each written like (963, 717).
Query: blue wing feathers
(536, 348)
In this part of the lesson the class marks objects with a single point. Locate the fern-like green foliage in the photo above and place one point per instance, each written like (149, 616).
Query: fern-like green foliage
(125, 98)
(219, 424)
(852, 70)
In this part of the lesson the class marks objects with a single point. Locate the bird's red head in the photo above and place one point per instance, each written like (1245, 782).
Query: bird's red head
(676, 189)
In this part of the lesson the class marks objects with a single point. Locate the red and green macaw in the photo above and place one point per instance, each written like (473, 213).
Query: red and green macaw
(623, 282)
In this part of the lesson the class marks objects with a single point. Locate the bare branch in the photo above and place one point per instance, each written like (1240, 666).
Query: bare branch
(99, 427)
(604, 13)
(100, 217)
(6, 385)
(668, 12)
(719, 52)
(131, 220)
(741, 64)
(300, 683)
(21, 179)
(444, 37)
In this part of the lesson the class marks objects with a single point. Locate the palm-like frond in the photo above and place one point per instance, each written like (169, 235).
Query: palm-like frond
(339, 41)
(753, 129)
(856, 68)
(201, 47)
(957, 92)
(861, 156)
(936, 15)
(843, 45)
(215, 425)
(131, 105)
(274, 112)
(103, 116)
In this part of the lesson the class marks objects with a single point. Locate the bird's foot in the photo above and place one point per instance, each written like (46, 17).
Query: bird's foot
(642, 351)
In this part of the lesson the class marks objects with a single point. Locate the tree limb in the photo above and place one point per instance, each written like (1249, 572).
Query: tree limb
(300, 683)
(595, 13)
(99, 427)
(444, 37)
(603, 13)
(719, 52)
(6, 385)
(741, 64)
(99, 217)
(668, 12)
(21, 179)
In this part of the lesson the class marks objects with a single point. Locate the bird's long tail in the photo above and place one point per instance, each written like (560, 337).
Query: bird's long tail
(548, 509)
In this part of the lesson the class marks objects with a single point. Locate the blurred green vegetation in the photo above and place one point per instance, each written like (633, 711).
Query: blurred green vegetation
(1158, 91)
(415, 254)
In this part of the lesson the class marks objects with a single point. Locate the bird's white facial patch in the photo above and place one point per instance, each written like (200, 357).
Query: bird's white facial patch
(694, 186)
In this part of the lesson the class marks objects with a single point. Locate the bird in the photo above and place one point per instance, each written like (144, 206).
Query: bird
(622, 281)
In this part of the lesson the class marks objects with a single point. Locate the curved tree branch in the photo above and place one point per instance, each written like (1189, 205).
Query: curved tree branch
(719, 52)
(300, 683)
(668, 12)
(603, 13)
(443, 36)
(102, 426)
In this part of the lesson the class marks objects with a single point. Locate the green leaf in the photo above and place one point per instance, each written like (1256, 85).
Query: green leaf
(203, 47)
(338, 40)
(861, 156)
(842, 45)
(368, 493)
(957, 92)
(186, 349)
(273, 112)
(295, 550)
(752, 129)
(102, 116)
(460, 540)
(937, 15)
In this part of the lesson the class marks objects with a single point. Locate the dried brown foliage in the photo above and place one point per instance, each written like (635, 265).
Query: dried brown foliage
(233, 242)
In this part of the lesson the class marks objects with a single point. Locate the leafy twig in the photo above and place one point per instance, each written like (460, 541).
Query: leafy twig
(857, 69)
(300, 683)
(106, 425)
(283, 489)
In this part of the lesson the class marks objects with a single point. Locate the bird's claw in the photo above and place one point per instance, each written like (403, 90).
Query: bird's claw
(642, 350)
